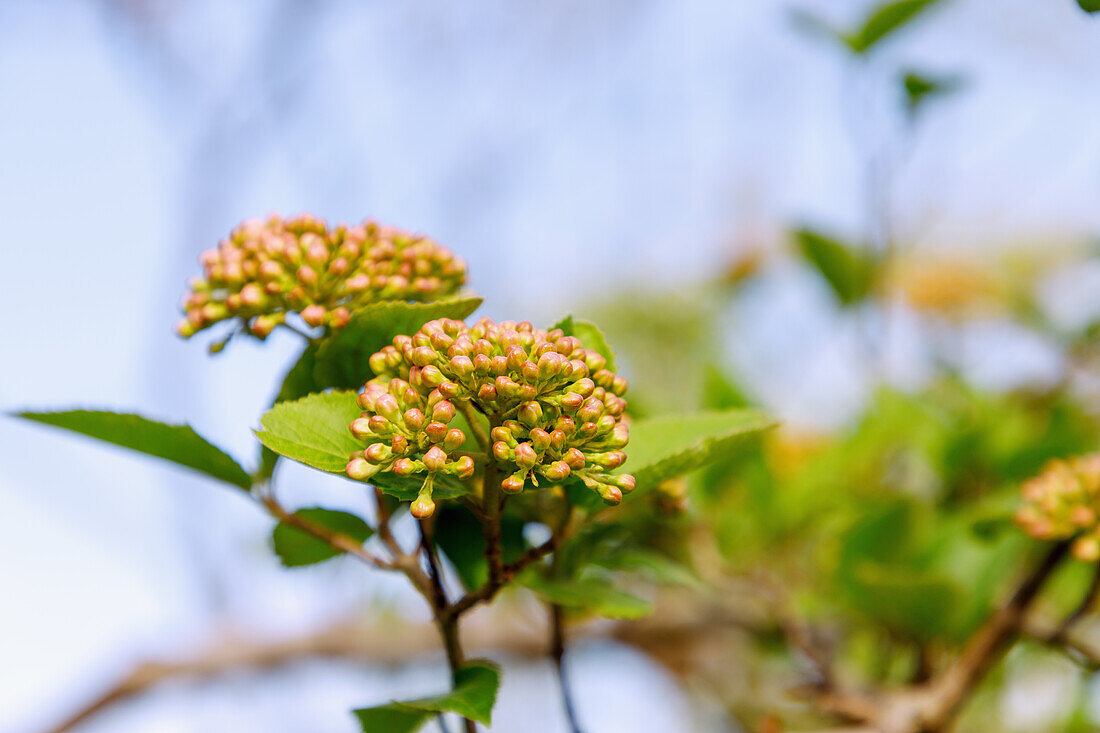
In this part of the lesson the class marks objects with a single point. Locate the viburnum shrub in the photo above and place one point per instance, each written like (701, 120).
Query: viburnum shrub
(480, 435)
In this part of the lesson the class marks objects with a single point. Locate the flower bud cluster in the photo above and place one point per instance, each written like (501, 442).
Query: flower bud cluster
(1063, 502)
(408, 433)
(554, 407)
(266, 269)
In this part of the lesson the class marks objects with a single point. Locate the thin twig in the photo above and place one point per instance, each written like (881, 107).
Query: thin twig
(557, 653)
(336, 540)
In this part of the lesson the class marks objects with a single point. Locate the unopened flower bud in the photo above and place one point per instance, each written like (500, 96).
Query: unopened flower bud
(443, 411)
(361, 428)
(556, 471)
(414, 419)
(513, 484)
(314, 315)
(406, 466)
(464, 467)
(423, 507)
(525, 455)
(530, 414)
(359, 470)
(436, 432)
(453, 440)
(540, 439)
(435, 459)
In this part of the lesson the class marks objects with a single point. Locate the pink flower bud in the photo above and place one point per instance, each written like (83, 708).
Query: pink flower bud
(432, 376)
(540, 440)
(454, 439)
(513, 484)
(525, 455)
(557, 471)
(252, 295)
(435, 459)
(625, 482)
(530, 371)
(377, 453)
(414, 419)
(314, 315)
(340, 317)
(436, 432)
(423, 356)
(307, 275)
(501, 451)
(443, 411)
(386, 406)
(574, 459)
(423, 507)
(464, 467)
(406, 466)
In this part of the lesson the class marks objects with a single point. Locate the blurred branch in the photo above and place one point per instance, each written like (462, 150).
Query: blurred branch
(386, 641)
(932, 707)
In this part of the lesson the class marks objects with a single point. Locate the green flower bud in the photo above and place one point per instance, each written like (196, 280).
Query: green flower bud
(502, 452)
(503, 435)
(361, 428)
(530, 414)
(377, 453)
(359, 470)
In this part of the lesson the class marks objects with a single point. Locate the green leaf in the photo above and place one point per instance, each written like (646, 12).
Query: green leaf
(885, 20)
(590, 336)
(667, 446)
(1089, 6)
(299, 381)
(473, 696)
(653, 565)
(342, 360)
(296, 547)
(314, 430)
(588, 594)
(459, 534)
(176, 443)
(849, 272)
(919, 88)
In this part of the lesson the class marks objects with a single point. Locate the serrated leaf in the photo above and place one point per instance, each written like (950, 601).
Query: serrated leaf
(590, 336)
(179, 444)
(473, 697)
(588, 594)
(667, 446)
(342, 360)
(850, 272)
(314, 430)
(885, 20)
(296, 547)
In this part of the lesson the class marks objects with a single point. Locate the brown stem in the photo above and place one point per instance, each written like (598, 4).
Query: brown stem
(445, 621)
(487, 591)
(988, 644)
(557, 653)
(335, 540)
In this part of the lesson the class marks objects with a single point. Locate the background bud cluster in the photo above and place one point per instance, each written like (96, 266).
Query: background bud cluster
(554, 408)
(1062, 502)
(266, 269)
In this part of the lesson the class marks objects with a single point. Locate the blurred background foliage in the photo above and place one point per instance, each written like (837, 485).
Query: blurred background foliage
(878, 522)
